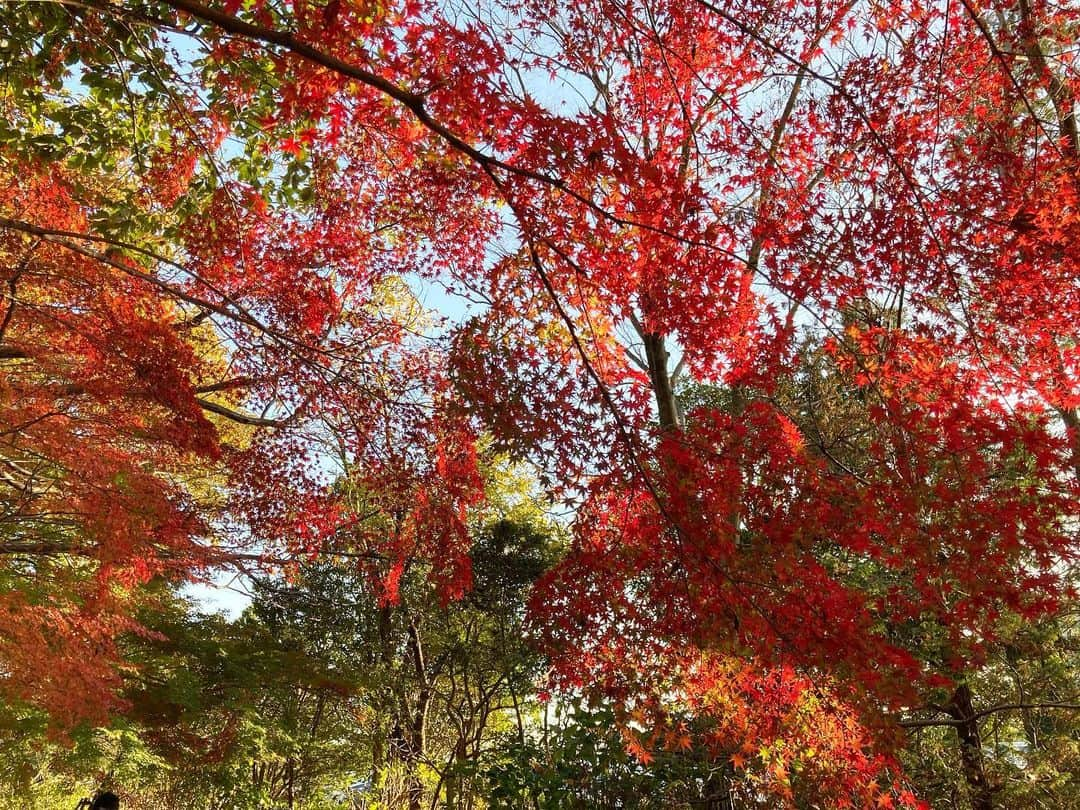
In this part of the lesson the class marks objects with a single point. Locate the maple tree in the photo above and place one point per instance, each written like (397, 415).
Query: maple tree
(162, 396)
(881, 197)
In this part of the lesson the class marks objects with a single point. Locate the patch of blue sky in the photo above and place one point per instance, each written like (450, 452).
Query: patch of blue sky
(227, 593)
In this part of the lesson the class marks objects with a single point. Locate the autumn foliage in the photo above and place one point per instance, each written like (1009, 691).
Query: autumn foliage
(780, 299)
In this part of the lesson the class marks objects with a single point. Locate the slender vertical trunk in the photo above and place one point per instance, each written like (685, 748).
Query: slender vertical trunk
(383, 747)
(1071, 418)
(656, 356)
(417, 743)
(320, 705)
(1060, 92)
(961, 709)
(415, 755)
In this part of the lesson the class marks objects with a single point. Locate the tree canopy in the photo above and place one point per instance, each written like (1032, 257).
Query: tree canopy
(775, 302)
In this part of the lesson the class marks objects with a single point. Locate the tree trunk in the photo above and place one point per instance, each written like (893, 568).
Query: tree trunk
(657, 358)
(967, 731)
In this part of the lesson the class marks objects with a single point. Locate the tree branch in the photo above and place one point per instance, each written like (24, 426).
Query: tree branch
(1004, 707)
(240, 417)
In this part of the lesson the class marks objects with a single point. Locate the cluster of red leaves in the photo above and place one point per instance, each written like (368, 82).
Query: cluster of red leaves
(100, 424)
(164, 404)
(733, 172)
(784, 735)
(747, 542)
